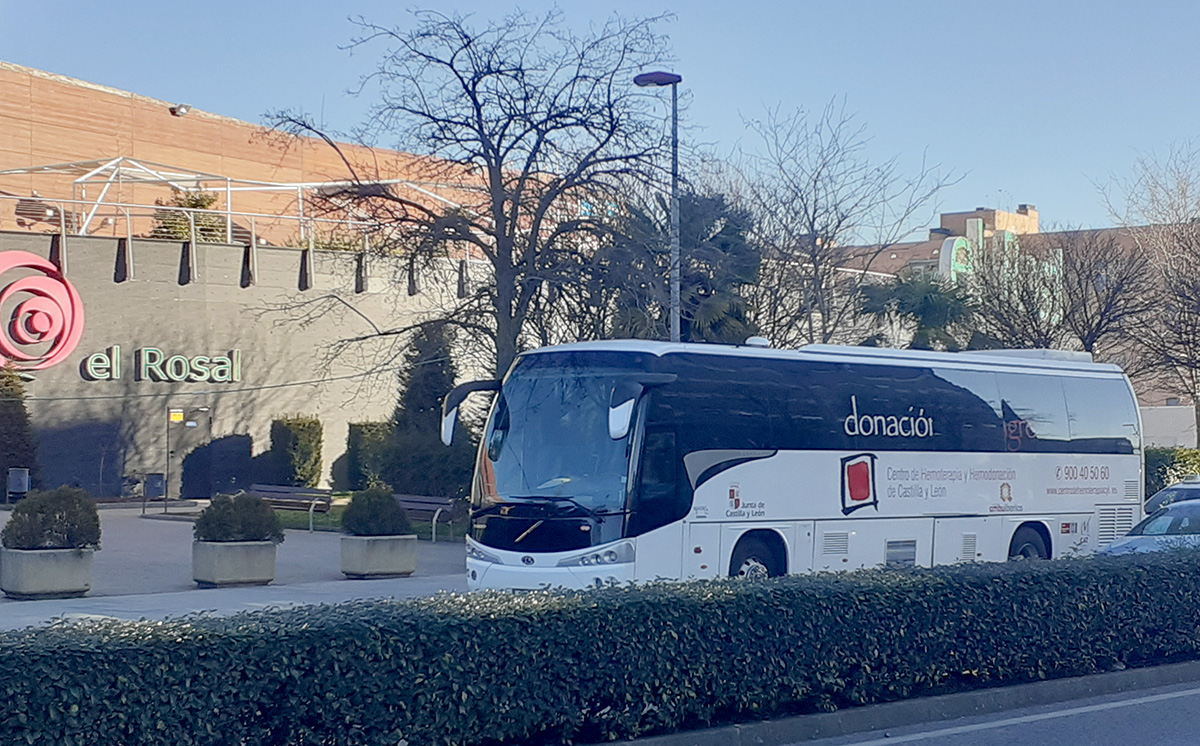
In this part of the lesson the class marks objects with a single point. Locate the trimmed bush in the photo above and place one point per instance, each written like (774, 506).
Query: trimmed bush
(65, 518)
(366, 444)
(1166, 466)
(474, 669)
(238, 518)
(295, 451)
(375, 512)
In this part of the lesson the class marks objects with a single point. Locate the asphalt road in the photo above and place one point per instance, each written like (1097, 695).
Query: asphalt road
(1164, 716)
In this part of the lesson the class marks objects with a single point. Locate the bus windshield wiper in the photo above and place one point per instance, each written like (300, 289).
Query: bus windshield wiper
(595, 515)
(489, 509)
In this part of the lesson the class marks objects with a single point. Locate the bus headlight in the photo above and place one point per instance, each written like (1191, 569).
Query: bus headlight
(475, 552)
(610, 556)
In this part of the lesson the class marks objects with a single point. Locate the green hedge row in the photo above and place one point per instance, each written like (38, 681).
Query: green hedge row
(1166, 466)
(295, 451)
(613, 663)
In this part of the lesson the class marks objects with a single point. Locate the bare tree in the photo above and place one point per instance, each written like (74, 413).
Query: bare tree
(531, 127)
(1109, 286)
(1160, 207)
(824, 213)
(1018, 292)
(1082, 289)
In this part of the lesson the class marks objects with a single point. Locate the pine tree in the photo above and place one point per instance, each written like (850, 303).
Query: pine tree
(417, 462)
(17, 446)
(427, 376)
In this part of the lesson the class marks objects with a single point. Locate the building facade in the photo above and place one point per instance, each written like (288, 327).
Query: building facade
(167, 358)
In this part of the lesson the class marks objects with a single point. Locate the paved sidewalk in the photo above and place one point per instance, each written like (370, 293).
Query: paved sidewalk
(144, 570)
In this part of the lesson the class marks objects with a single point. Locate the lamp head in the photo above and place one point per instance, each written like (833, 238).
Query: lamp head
(180, 110)
(657, 78)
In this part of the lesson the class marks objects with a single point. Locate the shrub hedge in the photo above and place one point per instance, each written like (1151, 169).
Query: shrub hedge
(1166, 466)
(611, 663)
(296, 451)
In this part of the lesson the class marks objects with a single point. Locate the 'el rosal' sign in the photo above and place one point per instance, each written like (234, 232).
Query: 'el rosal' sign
(152, 364)
(46, 324)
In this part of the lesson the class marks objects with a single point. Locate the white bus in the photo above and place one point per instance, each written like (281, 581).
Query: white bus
(606, 462)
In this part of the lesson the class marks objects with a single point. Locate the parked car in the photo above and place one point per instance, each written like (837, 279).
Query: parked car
(1188, 489)
(1176, 526)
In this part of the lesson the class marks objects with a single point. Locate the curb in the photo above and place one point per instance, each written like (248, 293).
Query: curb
(123, 505)
(183, 517)
(926, 709)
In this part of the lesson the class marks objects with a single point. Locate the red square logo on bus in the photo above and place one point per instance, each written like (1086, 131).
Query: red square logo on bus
(858, 477)
(858, 483)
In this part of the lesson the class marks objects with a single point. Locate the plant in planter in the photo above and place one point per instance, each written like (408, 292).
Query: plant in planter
(48, 545)
(381, 542)
(235, 542)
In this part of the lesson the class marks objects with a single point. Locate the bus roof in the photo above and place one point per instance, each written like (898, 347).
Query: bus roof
(1026, 360)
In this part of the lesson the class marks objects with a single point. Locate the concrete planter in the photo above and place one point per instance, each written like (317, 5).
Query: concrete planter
(45, 573)
(378, 556)
(220, 563)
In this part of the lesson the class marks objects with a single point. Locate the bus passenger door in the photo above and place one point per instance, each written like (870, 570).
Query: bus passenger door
(662, 500)
(659, 552)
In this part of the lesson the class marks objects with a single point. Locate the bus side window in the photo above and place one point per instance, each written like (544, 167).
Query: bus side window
(1034, 409)
(1100, 412)
(657, 500)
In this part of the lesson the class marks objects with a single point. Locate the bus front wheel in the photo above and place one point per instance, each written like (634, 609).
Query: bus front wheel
(1027, 543)
(753, 559)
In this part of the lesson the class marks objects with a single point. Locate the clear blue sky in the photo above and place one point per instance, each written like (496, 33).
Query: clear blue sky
(1032, 101)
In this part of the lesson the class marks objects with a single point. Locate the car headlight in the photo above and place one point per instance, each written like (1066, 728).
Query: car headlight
(612, 555)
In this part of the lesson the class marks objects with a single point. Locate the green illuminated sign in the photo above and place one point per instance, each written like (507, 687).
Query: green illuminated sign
(152, 364)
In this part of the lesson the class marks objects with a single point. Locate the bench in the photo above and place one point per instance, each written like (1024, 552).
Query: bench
(282, 497)
(433, 506)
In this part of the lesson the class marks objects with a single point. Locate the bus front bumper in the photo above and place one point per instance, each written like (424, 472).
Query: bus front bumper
(489, 568)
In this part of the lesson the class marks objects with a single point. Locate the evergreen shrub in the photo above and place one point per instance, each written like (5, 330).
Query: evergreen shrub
(17, 445)
(65, 518)
(239, 518)
(366, 444)
(296, 451)
(623, 662)
(375, 512)
(415, 461)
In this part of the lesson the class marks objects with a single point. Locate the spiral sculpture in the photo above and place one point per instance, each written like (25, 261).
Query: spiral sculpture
(49, 311)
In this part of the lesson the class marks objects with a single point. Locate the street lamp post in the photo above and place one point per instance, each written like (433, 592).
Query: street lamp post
(656, 79)
(176, 416)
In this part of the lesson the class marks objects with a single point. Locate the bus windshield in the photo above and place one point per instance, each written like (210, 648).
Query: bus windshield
(547, 447)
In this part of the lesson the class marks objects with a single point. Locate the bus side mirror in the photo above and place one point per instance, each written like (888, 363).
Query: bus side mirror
(625, 394)
(456, 397)
(620, 408)
(448, 420)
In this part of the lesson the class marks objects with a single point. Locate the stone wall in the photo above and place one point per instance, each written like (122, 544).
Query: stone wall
(96, 428)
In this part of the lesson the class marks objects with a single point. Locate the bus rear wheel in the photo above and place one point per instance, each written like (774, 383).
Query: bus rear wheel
(1027, 543)
(753, 559)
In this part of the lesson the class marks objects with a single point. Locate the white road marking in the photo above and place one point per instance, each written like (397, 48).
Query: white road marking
(1027, 719)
